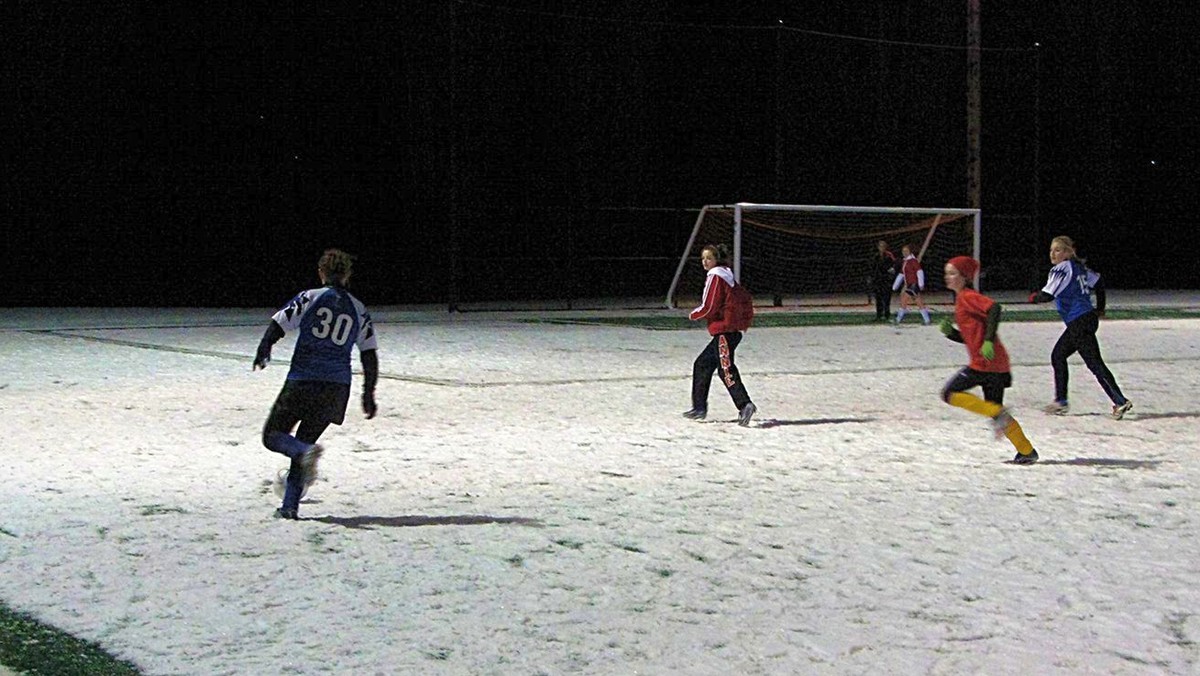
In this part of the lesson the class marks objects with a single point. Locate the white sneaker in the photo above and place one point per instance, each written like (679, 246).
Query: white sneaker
(309, 461)
(1120, 411)
(1056, 408)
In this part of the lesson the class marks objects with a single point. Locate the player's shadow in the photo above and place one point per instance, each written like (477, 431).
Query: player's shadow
(1134, 417)
(1105, 462)
(774, 422)
(372, 522)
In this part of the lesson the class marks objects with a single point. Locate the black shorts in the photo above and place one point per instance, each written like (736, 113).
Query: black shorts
(993, 384)
(313, 401)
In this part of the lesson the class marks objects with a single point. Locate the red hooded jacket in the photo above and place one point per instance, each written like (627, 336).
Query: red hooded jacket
(726, 304)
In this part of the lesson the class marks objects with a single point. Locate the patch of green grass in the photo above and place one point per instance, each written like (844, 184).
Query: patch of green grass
(156, 510)
(31, 647)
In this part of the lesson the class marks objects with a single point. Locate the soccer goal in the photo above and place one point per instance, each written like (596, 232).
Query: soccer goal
(783, 251)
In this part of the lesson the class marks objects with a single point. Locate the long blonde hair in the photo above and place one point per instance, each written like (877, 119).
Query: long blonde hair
(1067, 243)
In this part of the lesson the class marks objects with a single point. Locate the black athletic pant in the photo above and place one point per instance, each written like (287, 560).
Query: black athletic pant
(1080, 337)
(718, 356)
(312, 406)
(883, 300)
(993, 384)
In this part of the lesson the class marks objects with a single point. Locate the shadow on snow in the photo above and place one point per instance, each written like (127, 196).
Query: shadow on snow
(371, 522)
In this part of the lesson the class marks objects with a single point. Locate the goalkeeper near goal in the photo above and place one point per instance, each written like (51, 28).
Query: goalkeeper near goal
(912, 278)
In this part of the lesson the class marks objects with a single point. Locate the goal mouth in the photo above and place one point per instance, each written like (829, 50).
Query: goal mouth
(794, 251)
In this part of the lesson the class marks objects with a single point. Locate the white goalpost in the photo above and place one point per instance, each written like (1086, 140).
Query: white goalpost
(793, 250)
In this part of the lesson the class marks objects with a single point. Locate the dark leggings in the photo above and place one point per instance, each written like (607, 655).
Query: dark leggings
(993, 384)
(883, 300)
(1080, 337)
(718, 355)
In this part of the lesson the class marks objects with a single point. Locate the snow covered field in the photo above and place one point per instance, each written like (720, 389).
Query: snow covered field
(530, 501)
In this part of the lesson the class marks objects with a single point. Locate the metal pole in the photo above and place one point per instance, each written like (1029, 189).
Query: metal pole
(973, 105)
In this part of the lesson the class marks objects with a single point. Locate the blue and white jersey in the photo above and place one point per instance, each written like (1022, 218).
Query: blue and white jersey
(331, 323)
(1071, 285)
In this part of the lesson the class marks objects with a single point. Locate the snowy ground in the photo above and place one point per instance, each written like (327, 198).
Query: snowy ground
(530, 502)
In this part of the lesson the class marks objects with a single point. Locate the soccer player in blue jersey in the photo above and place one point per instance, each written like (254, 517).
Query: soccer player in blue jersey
(330, 323)
(1070, 286)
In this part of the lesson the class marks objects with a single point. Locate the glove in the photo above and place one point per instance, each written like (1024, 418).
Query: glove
(262, 357)
(946, 326)
(987, 350)
(368, 404)
(1033, 297)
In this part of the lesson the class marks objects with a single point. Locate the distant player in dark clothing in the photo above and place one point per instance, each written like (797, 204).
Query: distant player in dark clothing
(883, 271)
(728, 309)
(1070, 285)
(330, 323)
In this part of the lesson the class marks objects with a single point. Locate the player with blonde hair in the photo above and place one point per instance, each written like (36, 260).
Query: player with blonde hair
(1070, 285)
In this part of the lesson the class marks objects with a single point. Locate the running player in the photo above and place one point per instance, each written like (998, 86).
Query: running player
(330, 323)
(1070, 285)
(978, 319)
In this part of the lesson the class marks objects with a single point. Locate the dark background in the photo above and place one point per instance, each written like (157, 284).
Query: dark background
(497, 150)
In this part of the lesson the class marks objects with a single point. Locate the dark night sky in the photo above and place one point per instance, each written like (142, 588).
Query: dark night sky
(169, 155)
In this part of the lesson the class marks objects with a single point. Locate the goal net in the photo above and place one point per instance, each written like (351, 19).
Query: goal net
(785, 252)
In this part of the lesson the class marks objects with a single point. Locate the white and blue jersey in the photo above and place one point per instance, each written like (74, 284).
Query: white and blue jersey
(1071, 285)
(331, 323)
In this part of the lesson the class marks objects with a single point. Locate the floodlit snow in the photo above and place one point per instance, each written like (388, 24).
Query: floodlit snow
(530, 501)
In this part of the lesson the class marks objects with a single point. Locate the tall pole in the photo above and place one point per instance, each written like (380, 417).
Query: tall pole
(973, 104)
(1039, 236)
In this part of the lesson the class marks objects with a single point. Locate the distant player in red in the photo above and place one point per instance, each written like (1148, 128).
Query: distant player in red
(727, 308)
(978, 319)
(912, 278)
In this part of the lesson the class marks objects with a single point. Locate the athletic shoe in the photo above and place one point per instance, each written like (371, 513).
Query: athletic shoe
(1026, 459)
(746, 414)
(695, 413)
(1057, 408)
(1120, 411)
(282, 513)
(1001, 422)
(280, 483)
(309, 461)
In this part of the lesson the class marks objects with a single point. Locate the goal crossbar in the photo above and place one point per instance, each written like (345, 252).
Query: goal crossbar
(926, 220)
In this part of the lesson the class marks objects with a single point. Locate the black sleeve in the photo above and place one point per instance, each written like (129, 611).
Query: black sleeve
(1101, 296)
(992, 323)
(272, 335)
(1041, 297)
(370, 364)
(955, 336)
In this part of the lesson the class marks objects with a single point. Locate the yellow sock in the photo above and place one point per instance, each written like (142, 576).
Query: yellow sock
(990, 409)
(1017, 436)
(975, 405)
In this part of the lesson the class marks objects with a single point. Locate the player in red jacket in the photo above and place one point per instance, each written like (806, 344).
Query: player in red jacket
(727, 307)
(912, 278)
(978, 318)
